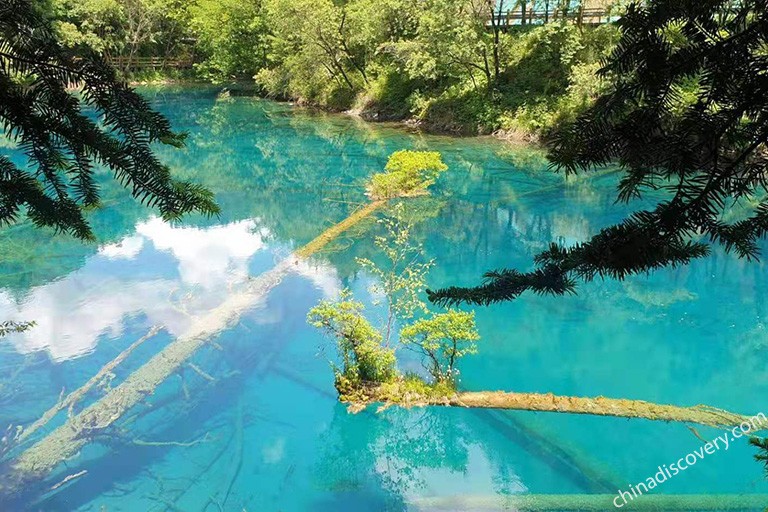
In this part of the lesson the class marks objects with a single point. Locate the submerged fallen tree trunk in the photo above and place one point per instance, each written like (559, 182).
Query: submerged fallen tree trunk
(334, 231)
(68, 439)
(65, 441)
(575, 463)
(592, 502)
(597, 406)
(79, 393)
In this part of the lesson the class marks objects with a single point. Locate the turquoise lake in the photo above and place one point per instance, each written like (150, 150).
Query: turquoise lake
(253, 423)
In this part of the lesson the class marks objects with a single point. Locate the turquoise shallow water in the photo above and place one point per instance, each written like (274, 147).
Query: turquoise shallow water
(258, 426)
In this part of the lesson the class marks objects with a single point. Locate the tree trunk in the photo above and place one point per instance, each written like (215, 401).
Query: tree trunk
(496, 40)
(598, 406)
(591, 502)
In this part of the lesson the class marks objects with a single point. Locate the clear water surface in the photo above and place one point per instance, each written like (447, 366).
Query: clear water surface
(258, 427)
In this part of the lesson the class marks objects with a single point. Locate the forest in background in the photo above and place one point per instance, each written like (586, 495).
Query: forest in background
(440, 63)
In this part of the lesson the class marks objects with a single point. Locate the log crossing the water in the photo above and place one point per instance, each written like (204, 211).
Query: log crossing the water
(595, 406)
(333, 232)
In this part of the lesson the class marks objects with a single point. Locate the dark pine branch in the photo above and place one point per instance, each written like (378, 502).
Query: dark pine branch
(40, 113)
(8, 327)
(688, 113)
(762, 446)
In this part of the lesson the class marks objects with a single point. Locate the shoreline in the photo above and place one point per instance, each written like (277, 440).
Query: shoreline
(412, 125)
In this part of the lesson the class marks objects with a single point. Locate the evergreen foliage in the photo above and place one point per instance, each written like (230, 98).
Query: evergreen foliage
(762, 446)
(8, 327)
(64, 146)
(687, 115)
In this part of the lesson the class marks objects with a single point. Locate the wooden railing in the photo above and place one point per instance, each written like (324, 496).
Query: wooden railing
(128, 63)
(594, 16)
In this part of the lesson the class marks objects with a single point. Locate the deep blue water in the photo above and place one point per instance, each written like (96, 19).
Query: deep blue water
(265, 431)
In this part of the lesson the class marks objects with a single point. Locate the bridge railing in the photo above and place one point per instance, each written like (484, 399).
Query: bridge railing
(129, 63)
(592, 16)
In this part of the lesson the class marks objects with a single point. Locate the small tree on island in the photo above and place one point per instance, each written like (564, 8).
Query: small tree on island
(364, 360)
(442, 339)
(402, 278)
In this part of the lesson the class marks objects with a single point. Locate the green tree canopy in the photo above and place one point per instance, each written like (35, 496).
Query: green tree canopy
(442, 339)
(41, 111)
(688, 115)
(232, 35)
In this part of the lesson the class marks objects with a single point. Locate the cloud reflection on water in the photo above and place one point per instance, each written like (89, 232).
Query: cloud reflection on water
(131, 278)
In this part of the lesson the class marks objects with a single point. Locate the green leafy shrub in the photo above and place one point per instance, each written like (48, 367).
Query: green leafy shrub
(540, 62)
(337, 97)
(407, 173)
(534, 118)
(442, 339)
(231, 35)
(368, 365)
(409, 389)
(363, 357)
(311, 56)
(275, 82)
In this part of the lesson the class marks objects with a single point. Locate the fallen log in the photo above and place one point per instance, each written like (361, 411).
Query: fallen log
(544, 444)
(80, 392)
(548, 402)
(591, 502)
(334, 231)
